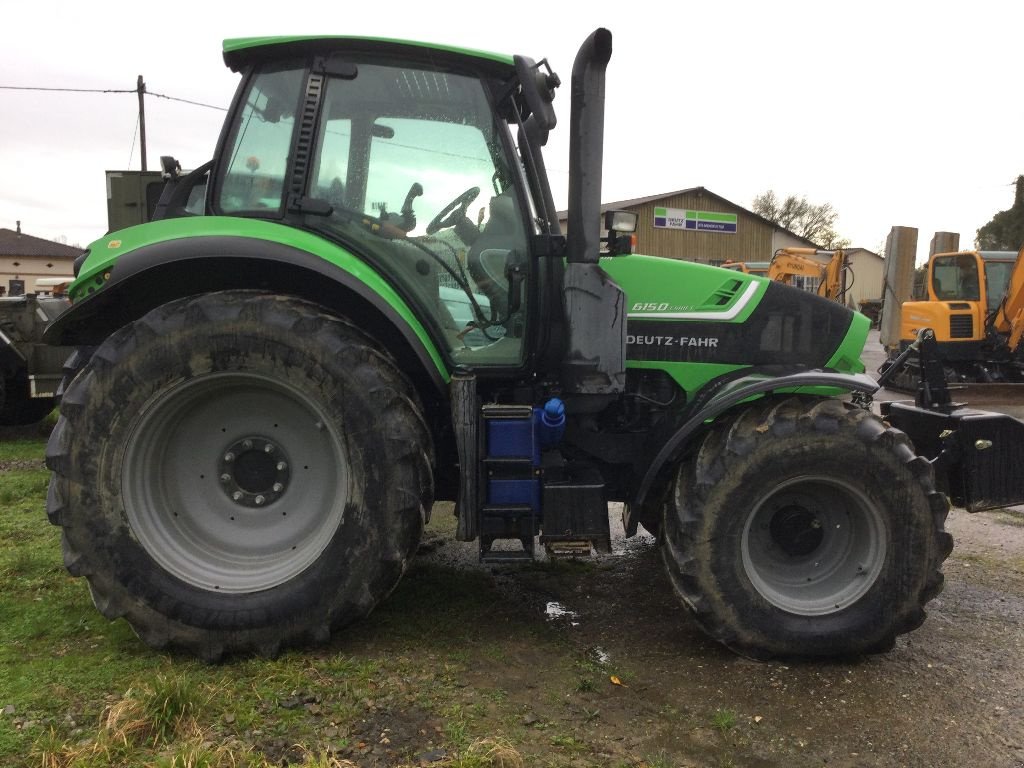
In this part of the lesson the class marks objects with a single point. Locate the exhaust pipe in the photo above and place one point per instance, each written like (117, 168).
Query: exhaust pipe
(586, 148)
(595, 307)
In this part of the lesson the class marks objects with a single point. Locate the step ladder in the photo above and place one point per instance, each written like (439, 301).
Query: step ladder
(511, 483)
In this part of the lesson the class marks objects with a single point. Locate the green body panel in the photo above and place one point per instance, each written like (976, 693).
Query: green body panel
(847, 356)
(232, 45)
(105, 252)
(659, 288)
(656, 285)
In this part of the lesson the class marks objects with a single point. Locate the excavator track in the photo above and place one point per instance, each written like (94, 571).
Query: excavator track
(977, 394)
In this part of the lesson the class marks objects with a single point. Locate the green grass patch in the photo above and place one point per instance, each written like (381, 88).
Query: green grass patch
(724, 720)
(22, 449)
(449, 665)
(77, 691)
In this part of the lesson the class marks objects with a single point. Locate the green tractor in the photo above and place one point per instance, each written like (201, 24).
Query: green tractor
(364, 303)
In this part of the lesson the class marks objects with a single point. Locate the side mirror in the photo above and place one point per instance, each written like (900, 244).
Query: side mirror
(170, 168)
(538, 89)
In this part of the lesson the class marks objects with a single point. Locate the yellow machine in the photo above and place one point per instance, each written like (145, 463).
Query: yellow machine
(974, 303)
(788, 263)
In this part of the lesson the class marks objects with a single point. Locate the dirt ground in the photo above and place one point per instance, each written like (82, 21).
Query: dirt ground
(949, 694)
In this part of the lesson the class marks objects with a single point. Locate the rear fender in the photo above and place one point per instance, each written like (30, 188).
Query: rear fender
(727, 396)
(156, 273)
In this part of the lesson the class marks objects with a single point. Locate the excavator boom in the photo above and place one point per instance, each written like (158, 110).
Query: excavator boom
(1009, 317)
(790, 262)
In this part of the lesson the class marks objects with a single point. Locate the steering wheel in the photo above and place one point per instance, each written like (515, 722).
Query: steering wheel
(454, 212)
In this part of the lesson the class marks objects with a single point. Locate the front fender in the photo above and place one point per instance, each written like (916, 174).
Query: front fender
(727, 396)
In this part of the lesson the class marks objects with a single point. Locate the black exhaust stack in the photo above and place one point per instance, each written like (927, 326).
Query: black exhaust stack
(586, 147)
(595, 307)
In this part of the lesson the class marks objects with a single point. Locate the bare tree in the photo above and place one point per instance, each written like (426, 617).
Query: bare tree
(814, 222)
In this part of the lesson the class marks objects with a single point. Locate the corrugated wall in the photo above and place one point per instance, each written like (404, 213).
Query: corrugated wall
(752, 240)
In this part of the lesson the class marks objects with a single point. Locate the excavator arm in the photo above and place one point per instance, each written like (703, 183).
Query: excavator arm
(1009, 317)
(788, 262)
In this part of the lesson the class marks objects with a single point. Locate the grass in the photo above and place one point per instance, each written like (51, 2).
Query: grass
(77, 691)
(449, 666)
(724, 720)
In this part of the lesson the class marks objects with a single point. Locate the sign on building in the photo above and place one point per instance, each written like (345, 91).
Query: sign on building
(698, 221)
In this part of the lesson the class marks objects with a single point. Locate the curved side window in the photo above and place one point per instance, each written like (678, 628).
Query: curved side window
(254, 177)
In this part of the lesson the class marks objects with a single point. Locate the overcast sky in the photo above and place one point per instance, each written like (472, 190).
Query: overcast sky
(896, 113)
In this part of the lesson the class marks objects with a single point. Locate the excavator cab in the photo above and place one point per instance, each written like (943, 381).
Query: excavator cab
(956, 277)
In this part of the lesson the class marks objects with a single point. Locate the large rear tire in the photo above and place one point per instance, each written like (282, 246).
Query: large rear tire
(806, 528)
(239, 472)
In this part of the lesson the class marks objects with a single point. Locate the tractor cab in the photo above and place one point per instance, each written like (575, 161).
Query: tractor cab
(405, 159)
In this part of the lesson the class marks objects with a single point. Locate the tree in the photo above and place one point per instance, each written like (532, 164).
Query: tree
(1005, 232)
(814, 222)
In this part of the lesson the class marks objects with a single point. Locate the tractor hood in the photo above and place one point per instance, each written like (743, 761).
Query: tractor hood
(721, 320)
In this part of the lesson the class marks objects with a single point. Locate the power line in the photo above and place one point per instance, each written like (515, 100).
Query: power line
(131, 152)
(71, 90)
(186, 101)
(110, 90)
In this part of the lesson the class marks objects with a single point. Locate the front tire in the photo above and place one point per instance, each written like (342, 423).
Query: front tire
(239, 472)
(806, 528)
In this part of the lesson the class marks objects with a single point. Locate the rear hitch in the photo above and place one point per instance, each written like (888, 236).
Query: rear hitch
(974, 453)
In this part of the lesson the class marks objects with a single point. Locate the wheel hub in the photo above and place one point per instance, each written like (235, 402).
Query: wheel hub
(254, 471)
(813, 544)
(797, 530)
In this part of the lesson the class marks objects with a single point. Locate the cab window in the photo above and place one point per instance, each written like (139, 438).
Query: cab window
(997, 282)
(254, 178)
(413, 167)
(956, 278)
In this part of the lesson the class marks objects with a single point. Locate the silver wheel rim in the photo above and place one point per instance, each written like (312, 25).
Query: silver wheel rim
(234, 482)
(814, 545)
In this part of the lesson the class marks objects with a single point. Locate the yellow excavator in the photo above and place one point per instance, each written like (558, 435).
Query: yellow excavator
(788, 263)
(973, 301)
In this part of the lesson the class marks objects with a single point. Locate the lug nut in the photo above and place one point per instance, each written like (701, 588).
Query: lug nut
(247, 444)
(259, 500)
(225, 478)
(268, 448)
(278, 487)
(229, 456)
(281, 466)
(237, 495)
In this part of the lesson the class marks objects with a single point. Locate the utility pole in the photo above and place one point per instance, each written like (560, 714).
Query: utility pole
(140, 86)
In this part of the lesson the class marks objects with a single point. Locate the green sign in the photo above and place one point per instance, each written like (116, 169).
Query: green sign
(696, 221)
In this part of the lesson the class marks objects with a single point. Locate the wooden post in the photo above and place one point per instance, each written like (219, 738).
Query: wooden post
(898, 285)
(944, 242)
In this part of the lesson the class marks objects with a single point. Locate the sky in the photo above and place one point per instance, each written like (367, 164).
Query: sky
(896, 113)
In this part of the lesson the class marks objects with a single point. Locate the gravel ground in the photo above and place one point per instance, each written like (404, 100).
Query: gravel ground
(950, 694)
